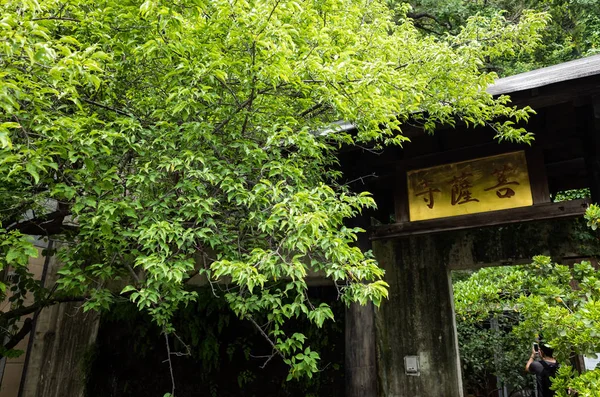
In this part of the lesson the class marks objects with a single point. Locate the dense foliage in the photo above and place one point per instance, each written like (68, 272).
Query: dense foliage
(560, 304)
(492, 356)
(573, 32)
(164, 143)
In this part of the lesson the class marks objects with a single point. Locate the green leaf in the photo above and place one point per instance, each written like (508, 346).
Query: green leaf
(12, 255)
(128, 288)
(32, 170)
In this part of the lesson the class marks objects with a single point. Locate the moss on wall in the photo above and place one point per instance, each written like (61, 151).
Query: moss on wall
(517, 243)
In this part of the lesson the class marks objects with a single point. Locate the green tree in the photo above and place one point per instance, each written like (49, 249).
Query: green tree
(558, 303)
(573, 31)
(167, 142)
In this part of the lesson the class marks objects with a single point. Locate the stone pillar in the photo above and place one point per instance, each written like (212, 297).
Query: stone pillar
(360, 360)
(416, 320)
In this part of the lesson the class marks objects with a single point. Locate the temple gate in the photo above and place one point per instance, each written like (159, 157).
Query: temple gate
(459, 199)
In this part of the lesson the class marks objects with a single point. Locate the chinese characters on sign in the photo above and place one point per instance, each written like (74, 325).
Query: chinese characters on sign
(460, 189)
(480, 185)
(503, 191)
(428, 192)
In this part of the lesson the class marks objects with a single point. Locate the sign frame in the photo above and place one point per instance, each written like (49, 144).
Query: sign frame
(471, 186)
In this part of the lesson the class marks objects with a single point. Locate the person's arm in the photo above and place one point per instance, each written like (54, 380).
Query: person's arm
(531, 360)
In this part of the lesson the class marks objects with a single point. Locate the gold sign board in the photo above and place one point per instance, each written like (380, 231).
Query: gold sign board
(480, 185)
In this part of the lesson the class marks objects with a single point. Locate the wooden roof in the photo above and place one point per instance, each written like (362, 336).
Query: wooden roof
(571, 70)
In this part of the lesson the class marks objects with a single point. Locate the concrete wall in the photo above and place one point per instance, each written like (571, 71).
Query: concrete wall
(360, 360)
(516, 244)
(13, 367)
(53, 364)
(57, 363)
(417, 320)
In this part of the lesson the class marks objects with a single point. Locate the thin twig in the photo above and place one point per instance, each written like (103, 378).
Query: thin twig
(269, 17)
(372, 151)
(373, 175)
(263, 333)
(266, 362)
(170, 364)
(57, 18)
(133, 273)
(187, 347)
(106, 107)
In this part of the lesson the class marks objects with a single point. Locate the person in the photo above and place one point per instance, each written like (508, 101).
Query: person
(544, 369)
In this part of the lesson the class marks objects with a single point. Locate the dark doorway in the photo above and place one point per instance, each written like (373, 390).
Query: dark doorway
(226, 354)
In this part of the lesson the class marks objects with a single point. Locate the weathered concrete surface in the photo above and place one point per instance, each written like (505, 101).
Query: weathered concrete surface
(62, 340)
(516, 244)
(63, 335)
(360, 360)
(417, 320)
(13, 367)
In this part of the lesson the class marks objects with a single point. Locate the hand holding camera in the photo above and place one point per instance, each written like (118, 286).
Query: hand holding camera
(535, 350)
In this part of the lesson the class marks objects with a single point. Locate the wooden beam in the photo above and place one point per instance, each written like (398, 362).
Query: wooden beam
(537, 175)
(401, 196)
(588, 122)
(515, 215)
(565, 91)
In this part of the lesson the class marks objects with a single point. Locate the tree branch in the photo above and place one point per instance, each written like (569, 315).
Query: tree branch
(57, 19)
(89, 101)
(18, 337)
(311, 109)
(422, 15)
(223, 123)
(25, 310)
(263, 333)
(170, 364)
(47, 224)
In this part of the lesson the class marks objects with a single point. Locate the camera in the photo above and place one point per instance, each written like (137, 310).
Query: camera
(536, 347)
